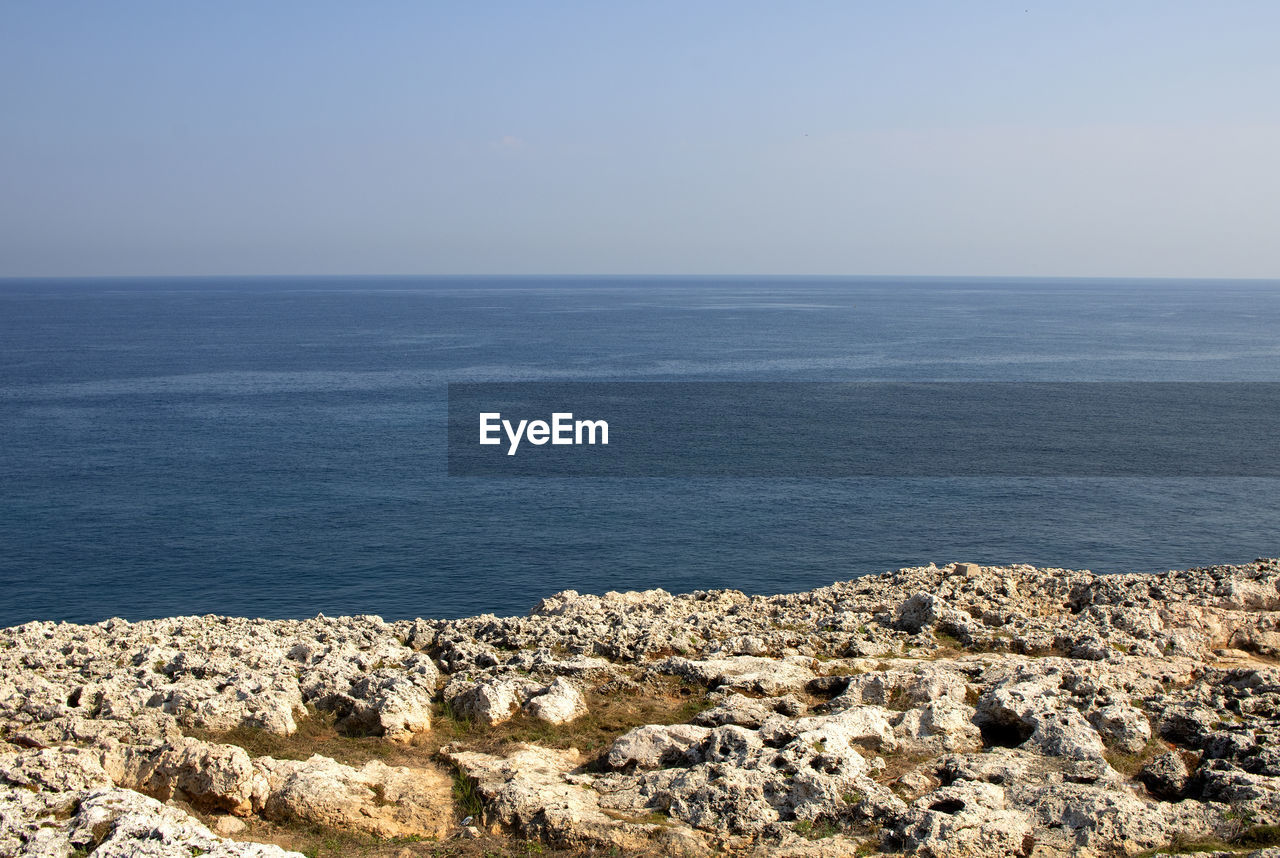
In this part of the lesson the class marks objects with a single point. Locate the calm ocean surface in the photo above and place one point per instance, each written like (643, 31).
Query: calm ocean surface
(276, 447)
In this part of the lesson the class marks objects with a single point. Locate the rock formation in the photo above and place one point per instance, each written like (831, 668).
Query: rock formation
(935, 711)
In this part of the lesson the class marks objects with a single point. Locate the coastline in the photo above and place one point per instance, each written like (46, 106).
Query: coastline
(953, 710)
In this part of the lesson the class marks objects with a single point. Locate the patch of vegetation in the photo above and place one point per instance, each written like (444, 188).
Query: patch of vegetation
(1129, 764)
(898, 763)
(1240, 819)
(900, 700)
(1258, 837)
(317, 733)
(947, 641)
(318, 841)
(466, 795)
(815, 830)
(1188, 846)
(664, 700)
(1051, 651)
(1254, 837)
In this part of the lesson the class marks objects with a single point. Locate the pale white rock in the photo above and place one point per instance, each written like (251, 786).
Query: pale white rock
(110, 822)
(735, 708)
(653, 746)
(746, 645)
(531, 791)
(1064, 732)
(208, 776)
(915, 783)
(491, 701)
(867, 727)
(965, 819)
(919, 611)
(379, 799)
(731, 744)
(1247, 596)
(901, 689)
(248, 700)
(729, 800)
(560, 703)
(1122, 727)
(229, 826)
(1086, 820)
(937, 727)
(393, 706)
(1165, 776)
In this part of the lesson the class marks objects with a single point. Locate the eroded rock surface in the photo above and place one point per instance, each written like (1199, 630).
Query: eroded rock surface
(935, 711)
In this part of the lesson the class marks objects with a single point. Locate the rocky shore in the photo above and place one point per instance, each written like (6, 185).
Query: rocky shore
(948, 710)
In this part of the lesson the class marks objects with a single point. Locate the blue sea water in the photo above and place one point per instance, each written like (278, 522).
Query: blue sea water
(276, 447)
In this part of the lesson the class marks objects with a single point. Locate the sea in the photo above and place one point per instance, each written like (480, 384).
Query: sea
(276, 446)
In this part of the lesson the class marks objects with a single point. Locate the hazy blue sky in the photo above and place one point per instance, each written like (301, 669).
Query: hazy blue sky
(1064, 138)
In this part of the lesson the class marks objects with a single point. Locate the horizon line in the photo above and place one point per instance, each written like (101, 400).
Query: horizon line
(616, 276)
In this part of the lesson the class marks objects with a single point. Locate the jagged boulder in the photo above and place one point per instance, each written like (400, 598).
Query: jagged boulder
(965, 819)
(387, 801)
(1122, 726)
(113, 823)
(559, 703)
(653, 746)
(532, 791)
(489, 701)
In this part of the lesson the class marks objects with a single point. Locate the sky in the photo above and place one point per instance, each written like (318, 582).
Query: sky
(1080, 138)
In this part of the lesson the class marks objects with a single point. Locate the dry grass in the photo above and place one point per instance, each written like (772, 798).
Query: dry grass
(322, 842)
(317, 734)
(949, 646)
(1130, 764)
(898, 763)
(1249, 839)
(662, 700)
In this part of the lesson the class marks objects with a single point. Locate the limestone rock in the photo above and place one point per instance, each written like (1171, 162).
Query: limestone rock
(489, 702)
(1165, 776)
(53, 769)
(939, 727)
(989, 698)
(652, 746)
(765, 676)
(530, 790)
(965, 819)
(743, 711)
(208, 776)
(379, 799)
(110, 822)
(1122, 727)
(560, 703)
